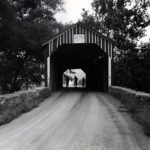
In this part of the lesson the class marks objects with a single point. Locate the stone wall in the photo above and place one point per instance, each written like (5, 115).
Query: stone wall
(12, 105)
(137, 103)
(130, 97)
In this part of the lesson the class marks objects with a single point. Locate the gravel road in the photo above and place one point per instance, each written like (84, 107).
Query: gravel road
(74, 121)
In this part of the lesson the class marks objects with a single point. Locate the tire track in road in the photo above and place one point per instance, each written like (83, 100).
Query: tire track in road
(130, 134)
(74, 121)
(32, 127)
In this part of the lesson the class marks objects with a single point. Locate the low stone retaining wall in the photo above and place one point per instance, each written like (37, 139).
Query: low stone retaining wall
(138, 103)
(130, 97)
(12, 105)
(129, 94)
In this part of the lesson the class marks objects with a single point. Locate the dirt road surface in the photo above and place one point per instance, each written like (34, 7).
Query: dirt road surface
(74, 121)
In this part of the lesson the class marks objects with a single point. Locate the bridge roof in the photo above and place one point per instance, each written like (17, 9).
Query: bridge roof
(80, 24)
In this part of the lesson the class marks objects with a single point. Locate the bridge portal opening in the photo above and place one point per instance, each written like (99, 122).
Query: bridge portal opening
(79, 47)
(74, 78)
(89, 57)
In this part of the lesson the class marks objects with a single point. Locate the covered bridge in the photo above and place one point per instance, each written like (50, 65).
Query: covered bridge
(79, 47)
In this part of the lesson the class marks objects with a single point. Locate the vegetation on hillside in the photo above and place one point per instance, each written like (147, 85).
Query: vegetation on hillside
(24, 25)
(125, 21)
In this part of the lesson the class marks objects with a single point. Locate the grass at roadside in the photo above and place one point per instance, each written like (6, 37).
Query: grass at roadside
(141, 113)
(136, 103)
(143, 117)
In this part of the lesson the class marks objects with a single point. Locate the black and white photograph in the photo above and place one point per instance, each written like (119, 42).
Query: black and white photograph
(74, 74)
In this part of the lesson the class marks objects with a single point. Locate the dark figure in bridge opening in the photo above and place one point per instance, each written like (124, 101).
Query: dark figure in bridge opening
(67, 81)
(83, 82)
(75, 81)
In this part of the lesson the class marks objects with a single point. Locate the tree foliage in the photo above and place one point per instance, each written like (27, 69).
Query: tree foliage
(124, 21)
(133, 70)
(24, 25)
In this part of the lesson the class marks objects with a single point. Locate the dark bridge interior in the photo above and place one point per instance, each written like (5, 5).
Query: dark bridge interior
(89, 57)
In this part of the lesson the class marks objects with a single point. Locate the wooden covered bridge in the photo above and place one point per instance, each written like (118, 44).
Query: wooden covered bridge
(79, 47)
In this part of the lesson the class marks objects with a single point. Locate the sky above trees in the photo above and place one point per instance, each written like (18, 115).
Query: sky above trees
(73, 9)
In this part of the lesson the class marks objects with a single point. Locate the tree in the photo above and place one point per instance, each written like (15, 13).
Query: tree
(24, 25)
(92, 21)
(124, 21)
(132, 70)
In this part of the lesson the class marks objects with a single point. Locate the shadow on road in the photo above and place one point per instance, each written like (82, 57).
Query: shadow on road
(77, 89)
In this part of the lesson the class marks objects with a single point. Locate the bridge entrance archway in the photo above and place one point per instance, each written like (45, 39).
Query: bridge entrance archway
(79, 47)
(88, 57)
(74, 78)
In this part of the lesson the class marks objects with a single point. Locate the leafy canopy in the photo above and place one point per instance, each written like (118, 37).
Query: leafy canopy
(24, 25)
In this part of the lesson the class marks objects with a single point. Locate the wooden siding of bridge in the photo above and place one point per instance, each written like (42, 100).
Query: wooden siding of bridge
(67, 37)
(91, 36)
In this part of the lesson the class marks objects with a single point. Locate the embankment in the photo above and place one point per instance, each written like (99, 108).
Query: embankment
(138, 103)
(12, 105)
